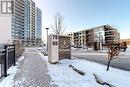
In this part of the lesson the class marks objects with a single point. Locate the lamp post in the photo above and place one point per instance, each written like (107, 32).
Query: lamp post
(47, 37)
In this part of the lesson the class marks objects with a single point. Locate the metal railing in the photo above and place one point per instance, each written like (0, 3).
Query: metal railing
(7, 59)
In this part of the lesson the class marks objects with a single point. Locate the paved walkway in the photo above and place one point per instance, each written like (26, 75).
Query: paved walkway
(32, 72)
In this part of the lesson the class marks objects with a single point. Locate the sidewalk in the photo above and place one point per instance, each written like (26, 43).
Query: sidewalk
(32, 72)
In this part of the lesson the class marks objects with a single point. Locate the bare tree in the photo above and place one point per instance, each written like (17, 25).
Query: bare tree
(19, 49)
(58, 26)
(113, 51)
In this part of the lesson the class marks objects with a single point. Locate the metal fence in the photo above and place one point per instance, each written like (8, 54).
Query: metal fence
(7, 59)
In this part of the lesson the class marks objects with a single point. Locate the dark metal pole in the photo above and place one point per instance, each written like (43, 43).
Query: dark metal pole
(108, 65)
(14, 56)
(6, 61)
(47, 37)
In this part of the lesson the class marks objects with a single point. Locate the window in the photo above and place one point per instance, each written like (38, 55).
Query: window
(6, 7)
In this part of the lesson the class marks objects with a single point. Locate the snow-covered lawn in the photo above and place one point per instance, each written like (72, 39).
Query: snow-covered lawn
(125, 54)
(8, 81)
(0, 70)
(64, 76)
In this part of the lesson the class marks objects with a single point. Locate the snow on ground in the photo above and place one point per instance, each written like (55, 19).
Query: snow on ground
(0, 70)
(128, 49)
(80, 49)
(87, 53)
(8, 81)
(103, 52)
(64, 76)
(127, 52)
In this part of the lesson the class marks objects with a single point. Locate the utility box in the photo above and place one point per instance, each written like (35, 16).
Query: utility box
(53, 54)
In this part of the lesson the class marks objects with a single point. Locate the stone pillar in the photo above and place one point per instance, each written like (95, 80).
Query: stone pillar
(53, 54)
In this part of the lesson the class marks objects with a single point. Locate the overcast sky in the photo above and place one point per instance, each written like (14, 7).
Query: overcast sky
(81, 14)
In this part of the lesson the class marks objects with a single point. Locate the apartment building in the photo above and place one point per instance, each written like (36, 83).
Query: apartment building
(38, 27)
(111, 35)
(104, 34)
(27, 22)
(11, 20)
(20, 21)
(32, 23)
(71, 35)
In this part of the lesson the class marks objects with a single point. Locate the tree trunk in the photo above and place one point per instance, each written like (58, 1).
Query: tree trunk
(108, 65)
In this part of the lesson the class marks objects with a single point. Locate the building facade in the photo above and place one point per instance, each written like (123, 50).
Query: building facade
(104, 34)
(111, 35)
(18, 32)
(71, 35)
(32, 24)
(38, 27)
(27, 22)
(20, 22)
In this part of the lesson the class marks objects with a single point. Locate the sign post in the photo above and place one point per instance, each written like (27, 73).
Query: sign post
(59, 48)
(64, 47)
(53, 54)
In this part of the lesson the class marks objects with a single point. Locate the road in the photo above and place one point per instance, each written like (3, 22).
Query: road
(123, 62)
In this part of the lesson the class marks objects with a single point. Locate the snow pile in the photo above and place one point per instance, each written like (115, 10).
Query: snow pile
(116, 77)
(64, 76)
(8, 81)
(89, 53)
(76, 49)
(81, 49)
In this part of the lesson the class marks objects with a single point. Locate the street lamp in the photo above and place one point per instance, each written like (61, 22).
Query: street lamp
(47, 37)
